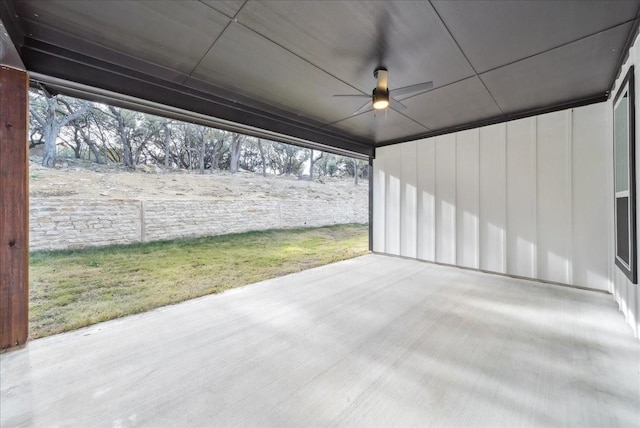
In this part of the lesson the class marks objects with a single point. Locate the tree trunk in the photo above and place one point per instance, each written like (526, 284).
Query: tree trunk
(262, 158)
(126, 151)
(96, 153)
(355, 172)
(122, 134)
(49, 155)
(236, 143)
(214, 156)
(77, 145)
(51, 131)
(187, 146)
(93, 147)
(312, 163)
(202, 146)
(167, 140)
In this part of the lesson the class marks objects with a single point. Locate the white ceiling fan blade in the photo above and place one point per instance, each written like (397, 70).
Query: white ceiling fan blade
(412, 88)
(362, 108)
(353, 96)
(396, 104)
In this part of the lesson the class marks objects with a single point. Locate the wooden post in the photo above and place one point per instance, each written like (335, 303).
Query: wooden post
(14, 208)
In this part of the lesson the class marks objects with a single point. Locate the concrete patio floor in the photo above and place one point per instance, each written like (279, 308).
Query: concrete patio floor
(373, 341)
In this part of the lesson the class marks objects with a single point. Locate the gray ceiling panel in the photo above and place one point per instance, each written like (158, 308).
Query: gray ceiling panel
(494, 33)
(565, 74)
(277, 64)
(461, 102)
(173, 34)
(350, 39)
(380, 126)
(227, 7)
(247, 63)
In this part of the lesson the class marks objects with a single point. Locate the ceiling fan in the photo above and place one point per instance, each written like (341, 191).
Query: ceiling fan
(383, 97)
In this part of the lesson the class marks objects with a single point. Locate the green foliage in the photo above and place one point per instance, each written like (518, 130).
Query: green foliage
(72, 289)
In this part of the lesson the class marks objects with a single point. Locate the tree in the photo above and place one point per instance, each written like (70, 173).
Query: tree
(121, 132)
(287, 159)
(249, 155)
(73, 141)
(82, 133)
(51, 118)
(332, 167)
(218, 148)
(135, 131)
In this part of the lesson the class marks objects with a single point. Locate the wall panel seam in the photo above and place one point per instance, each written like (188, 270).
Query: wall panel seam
(478, 227)
(571, 263)
(505, 243)
(455, 198)
(434, 229)
(536, 266)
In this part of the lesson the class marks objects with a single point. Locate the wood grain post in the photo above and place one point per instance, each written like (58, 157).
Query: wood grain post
(14, 208)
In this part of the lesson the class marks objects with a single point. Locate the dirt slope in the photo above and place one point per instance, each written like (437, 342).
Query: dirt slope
(81, 179)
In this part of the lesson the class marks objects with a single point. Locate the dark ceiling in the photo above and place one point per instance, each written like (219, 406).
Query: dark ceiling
(277, 64)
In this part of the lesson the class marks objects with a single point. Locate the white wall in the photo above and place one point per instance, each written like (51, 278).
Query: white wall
(529, 198)
(625, 293)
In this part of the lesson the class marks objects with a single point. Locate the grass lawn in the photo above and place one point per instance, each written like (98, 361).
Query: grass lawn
(73, 289)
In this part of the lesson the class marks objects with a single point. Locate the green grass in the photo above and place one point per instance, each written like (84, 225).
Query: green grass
(73, 289)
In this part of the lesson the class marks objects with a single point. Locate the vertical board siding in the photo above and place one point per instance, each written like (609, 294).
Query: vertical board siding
(635, 315)
(521, 198)
(409, 200)
(467, 196)
(426, 216)
(527, 198)
(589, 183)
(446, 200)
(379, 202)
(392, 206)
(493, 202)
(554, 198)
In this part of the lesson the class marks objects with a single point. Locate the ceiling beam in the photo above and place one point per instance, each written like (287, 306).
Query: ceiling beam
(597, 98)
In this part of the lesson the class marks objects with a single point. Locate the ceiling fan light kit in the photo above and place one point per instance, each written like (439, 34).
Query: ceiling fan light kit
(380, 99)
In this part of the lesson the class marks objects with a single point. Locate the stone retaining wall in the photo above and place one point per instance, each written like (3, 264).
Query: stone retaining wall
(63, 223)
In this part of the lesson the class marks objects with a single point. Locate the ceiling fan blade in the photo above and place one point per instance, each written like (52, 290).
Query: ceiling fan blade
(412, 88)
(393, 103)
(354, 96)
(362, 108)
